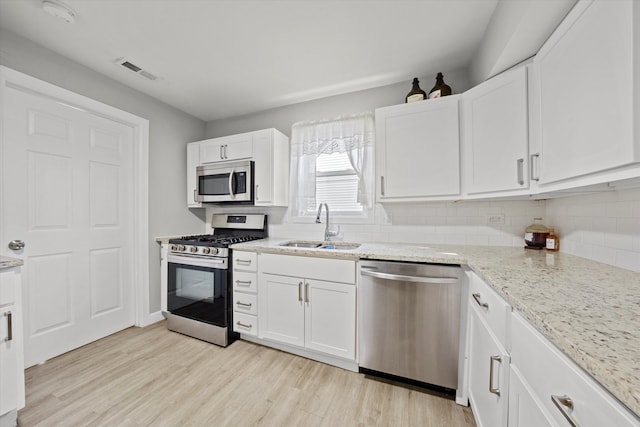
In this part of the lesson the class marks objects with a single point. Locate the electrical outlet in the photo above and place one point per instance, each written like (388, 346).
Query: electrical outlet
(495, 219)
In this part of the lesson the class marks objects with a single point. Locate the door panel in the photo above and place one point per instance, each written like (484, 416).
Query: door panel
(282, 317)
(70, 200)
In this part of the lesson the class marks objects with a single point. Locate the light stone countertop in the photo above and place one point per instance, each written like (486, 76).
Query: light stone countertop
(589, 310)
(6, 262)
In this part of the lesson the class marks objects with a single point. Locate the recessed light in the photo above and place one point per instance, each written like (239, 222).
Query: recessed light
(59, 10)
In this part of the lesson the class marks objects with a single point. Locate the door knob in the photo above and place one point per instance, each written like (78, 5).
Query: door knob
(16, 245)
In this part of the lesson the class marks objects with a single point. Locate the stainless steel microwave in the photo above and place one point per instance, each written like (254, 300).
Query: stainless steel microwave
(226, 182)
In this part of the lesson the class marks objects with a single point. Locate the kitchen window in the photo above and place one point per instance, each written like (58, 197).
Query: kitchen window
(332, 162)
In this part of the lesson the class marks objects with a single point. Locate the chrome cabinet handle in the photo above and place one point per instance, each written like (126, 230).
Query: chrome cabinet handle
(243, 261)
(300, 291)
(194, 195)
(257, 198)
(382, 185)
(493, 389)
(521, 171)
(565, 405)
(306, 292)
(243, 282)
(9, 317)
(244, 304)
(244, 325)
(480, 303)
(531, 163)
(221, 152)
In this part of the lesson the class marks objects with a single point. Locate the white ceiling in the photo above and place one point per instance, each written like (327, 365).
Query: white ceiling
(225, 58)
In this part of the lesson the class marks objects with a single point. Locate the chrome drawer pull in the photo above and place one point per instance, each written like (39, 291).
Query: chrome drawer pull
(9, 317)
(480, 303)
(244, 304)
(493, 389)
(520, 172)
(565, 405)
(244, 261)
(243, 282)
(244, 325)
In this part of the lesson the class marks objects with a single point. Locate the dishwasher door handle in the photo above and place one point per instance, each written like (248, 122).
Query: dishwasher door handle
(404, 278)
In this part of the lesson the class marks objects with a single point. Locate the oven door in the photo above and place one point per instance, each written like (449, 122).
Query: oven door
(225, 182)
(198, 288)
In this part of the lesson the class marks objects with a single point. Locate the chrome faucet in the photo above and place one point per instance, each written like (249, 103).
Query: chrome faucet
(327, 232)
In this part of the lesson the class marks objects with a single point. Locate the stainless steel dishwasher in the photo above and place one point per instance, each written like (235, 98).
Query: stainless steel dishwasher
(409, 320)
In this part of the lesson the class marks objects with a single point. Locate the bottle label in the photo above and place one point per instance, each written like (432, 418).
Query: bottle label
(528, 237)
(435, 94)
(415, 97)
(551, 244)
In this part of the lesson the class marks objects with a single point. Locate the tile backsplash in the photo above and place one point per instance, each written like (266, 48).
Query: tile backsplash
(602, 226)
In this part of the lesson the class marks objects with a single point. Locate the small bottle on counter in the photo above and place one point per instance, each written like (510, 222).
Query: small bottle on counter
(416, 93)
(553, 242)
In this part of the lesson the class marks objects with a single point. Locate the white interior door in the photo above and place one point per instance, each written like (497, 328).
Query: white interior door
(68, 195)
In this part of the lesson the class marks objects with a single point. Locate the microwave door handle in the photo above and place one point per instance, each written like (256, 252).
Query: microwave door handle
(233, 196)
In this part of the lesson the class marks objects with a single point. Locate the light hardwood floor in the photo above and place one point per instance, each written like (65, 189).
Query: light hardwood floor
(154, 377)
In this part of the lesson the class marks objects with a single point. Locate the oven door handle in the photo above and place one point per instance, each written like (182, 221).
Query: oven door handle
(217, 263)
(231, 193)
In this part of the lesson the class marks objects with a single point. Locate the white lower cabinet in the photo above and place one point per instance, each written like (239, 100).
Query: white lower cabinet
(525, 410)
(518, 378)
(299, 309)
(11, 347)
(558, 387)
(488, 362)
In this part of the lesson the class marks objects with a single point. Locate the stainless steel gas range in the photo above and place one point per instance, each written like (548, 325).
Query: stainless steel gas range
(199, 278)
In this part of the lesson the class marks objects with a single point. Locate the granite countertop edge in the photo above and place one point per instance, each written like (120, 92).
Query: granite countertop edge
(8, 262)
(589, 310)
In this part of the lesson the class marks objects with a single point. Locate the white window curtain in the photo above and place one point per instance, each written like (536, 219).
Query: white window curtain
(353, 135)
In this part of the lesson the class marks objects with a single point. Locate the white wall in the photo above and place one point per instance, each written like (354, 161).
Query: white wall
(367, 100)
(169, 131)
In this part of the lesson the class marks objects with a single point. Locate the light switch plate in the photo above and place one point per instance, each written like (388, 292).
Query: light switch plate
(495, 219)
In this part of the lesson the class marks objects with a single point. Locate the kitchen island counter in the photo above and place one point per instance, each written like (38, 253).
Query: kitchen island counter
(589, 310)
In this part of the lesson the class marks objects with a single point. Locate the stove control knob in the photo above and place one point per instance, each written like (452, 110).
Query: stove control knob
(172, 247)
(181, 248)
(206, 250)
(214, 251)
(193, 249)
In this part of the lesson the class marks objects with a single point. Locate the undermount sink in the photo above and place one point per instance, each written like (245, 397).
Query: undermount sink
(321, 245)
(296, 244)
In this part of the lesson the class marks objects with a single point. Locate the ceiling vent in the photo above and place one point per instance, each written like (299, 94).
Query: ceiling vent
(133, 67)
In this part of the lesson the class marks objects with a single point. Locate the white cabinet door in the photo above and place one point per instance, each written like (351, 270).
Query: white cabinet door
(282, 309)
(524, 408)
(11, 388)
(418, 151)
(263, 151)
(587, 87)
(330, 318)
(488, 374)
(233, 147)
(496, 134)
(193, 161)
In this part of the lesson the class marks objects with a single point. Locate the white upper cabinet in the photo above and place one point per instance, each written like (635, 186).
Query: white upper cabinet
(193, 161)
(267, 148)
(418, 151)
(234, 147)
(586, 75)
(495, 136)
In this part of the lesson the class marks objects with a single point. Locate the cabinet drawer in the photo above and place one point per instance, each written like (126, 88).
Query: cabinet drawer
(492, 308)
(245, 324)
(245, 303)
(551, 373)
(245, 261)
(7, 287)
(245, 282)
(330, 270)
